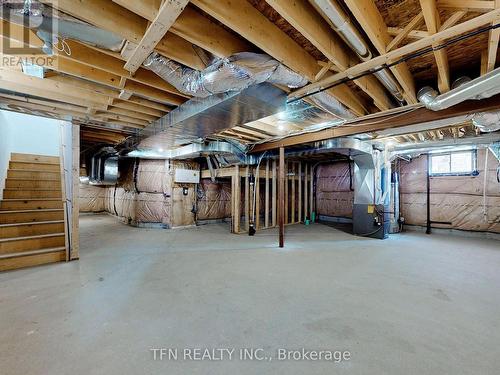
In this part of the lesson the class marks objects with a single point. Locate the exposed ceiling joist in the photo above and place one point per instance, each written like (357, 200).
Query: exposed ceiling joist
(370, 19)
(130, 26)
(433, 22)
(247, 21)
(487, 18)
(302, 16)
(165, 18)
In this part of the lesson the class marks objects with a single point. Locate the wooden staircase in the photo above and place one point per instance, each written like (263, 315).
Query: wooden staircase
(31, 213)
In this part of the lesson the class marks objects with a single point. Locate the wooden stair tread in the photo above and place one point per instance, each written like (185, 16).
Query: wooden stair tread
(30, 199)
(31, 189)
(31, 237)
(25, 211)
(34, 162)
(32, 252)
(31, 223)
(32, 170)
(32, 179)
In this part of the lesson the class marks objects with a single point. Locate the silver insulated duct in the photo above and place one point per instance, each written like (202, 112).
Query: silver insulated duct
(234, 74)
(487, 121)
(339, 21)
(480, 88)
(36, 16)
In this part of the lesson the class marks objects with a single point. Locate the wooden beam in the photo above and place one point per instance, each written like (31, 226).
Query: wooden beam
(19, 82)
(247, 21)
(415, 21)
(453, 19)
(303, 17)
(112, 17)
(417, 116)
(147, 9)
(370, 19)
(137, 107)
(212, 37)
(281, 197)
(493, 38)
(433, 23)
(469, 5)
(493, 16)
(413, 34)
(166, 16)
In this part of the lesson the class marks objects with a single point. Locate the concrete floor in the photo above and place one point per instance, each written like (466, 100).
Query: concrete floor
(412, 304)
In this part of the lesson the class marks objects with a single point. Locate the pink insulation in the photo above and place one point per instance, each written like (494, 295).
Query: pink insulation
(333, 194)
(455, 199)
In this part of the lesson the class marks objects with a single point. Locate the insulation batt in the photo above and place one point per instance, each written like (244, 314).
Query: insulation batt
(455, 199)
(333, 194)
(91, 198)
(214, 199)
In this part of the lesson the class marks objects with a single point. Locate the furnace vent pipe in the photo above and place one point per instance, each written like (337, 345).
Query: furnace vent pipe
(480, 88)
(339, 21)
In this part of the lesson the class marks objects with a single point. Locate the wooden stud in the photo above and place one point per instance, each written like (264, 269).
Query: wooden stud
(281, 200)
(274, 195)
(266, 208)
(294, 176)
(247, 198)
(305, 192)
(75, 181)
(287, 170)
(257, 201)
(299, 216)
(311, 192)
(236, 195)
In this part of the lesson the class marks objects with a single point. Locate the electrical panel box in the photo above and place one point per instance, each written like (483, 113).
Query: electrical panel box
(187, 176)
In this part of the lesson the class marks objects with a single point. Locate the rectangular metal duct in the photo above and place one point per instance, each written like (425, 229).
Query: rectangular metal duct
(201, 117)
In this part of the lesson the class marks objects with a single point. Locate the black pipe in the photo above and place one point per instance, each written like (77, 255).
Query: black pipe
(428, 230)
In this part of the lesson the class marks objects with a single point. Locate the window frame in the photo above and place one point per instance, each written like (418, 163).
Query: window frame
(473, 172)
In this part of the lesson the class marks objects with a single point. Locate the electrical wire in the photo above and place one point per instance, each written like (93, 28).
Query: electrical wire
(401, 60)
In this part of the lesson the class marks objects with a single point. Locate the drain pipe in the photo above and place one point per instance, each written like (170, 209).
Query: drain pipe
(339, 21)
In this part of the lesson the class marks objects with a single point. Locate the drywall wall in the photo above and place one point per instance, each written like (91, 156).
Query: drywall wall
(26, 134)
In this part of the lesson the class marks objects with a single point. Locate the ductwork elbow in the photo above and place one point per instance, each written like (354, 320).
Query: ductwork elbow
(428, 97)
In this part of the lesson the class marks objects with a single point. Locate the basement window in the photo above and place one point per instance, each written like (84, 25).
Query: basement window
(459, 163)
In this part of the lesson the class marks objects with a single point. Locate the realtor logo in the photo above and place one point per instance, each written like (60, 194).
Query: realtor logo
(28, 33)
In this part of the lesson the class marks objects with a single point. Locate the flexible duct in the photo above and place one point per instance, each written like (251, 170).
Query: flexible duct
(236, 73)
(339, 21)
(480, 88)
(49, 28)
(487, 121)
